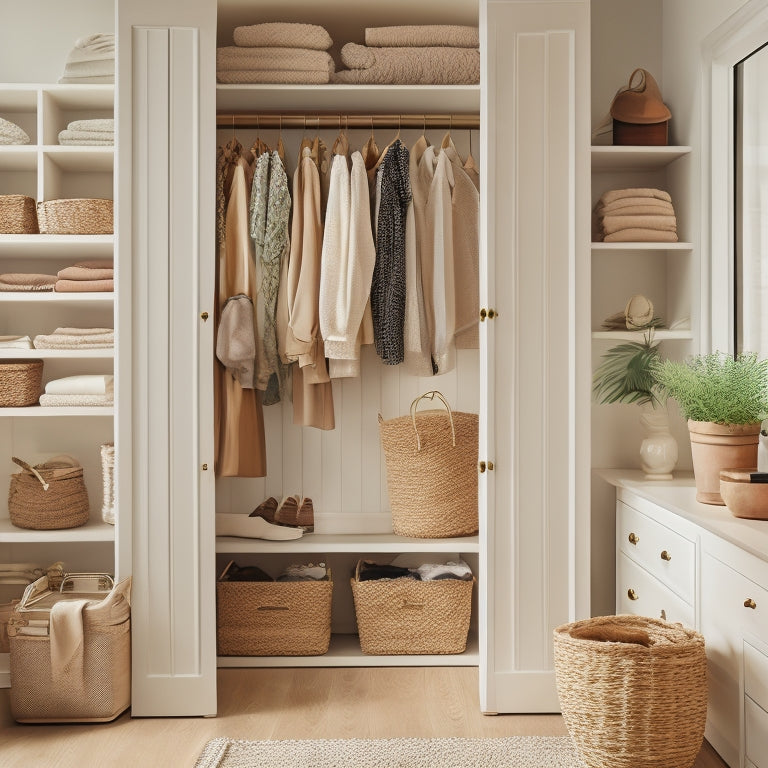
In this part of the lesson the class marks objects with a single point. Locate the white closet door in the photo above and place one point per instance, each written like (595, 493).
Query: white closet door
(166, 118)
(535, 125)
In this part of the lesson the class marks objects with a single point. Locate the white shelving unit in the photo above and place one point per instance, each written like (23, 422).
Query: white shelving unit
(44, 170)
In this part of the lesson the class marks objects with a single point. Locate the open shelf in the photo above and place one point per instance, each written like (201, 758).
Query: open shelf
(38, 411)
(78, 246)
(631, 158)
(84, 298)
(660, 334)
(57, 354)
(94, 530)
(642, 246)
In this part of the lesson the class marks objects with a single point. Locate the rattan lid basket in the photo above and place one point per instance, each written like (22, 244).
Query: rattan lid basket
(21, 382)
(630, 706)
(17, 215)
(76, 216)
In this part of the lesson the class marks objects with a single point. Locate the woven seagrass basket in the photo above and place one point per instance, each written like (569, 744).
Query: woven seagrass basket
(21, 382)
(431, 462)
(76, 216)
(633, 706)
(409, 617)
(17, 215)
(273, 618)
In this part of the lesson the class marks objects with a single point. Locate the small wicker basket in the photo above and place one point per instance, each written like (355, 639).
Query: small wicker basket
(633, 706)
(17, 215)
(409, 617)
(21, 382)
(76, 216)
(273, 618)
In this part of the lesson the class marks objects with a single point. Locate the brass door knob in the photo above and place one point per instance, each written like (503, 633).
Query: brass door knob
(204, 316)
(665, 555)
(632, 595)
(750, 603)
(633, 539)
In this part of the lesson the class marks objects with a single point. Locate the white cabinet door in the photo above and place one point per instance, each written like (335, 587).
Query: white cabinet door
(165, 112)
(535, 105)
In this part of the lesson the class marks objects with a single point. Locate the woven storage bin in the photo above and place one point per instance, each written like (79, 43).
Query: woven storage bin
(76, 216)
(409, 617)
(632, 706)
(273, 618)
(108, 481)
(431, 462)
(94, 687)
(21, 382)
(17, 215)
(48, 496)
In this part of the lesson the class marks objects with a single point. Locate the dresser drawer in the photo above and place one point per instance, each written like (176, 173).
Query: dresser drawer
(756, 675)
(755, 733)
(640, 593)
(666, 554)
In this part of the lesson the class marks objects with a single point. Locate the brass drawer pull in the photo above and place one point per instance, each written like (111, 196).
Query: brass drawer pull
(631, 594)
(633, 538)
(666, 556)
(750, 603)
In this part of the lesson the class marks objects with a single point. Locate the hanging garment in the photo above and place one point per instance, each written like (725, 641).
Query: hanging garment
(417, 352)
(239, 423)
(388, 285)
(465, 218)
(312, 389)
(348, 260)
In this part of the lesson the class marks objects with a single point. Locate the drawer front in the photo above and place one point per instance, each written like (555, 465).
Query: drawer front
(756, 675)
(666, 554)
(638, 592)
(756, 733)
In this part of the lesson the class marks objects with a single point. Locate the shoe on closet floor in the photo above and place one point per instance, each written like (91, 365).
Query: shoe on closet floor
(296, 512)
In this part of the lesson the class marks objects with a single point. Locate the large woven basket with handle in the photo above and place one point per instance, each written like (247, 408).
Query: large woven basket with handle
(431, 459)
(628, 705)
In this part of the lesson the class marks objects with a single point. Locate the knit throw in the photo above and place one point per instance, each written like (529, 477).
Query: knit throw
(388, 286)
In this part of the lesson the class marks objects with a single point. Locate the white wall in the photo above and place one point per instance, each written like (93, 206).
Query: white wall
(37, 35)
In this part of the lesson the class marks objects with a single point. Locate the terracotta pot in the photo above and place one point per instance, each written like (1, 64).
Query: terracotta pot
(720, 446)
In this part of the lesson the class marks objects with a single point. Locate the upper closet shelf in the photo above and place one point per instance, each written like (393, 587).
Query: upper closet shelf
(38, 411)
(56, 245)
(616, 158)
(76, 299)
(642, 246)
(94, 530)
(346, 99)
(659, 334)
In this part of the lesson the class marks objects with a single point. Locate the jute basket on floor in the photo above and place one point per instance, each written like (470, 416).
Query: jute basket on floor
(408, 617)
(21, 382)
(630, 706)
(17, 215)
(108, 482)
(273, 618)
(431, 462)
(76, 216)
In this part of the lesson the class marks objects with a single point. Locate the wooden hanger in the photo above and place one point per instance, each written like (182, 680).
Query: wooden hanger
(370, 151)
(386, 149)
(447, 141)
(341, 145)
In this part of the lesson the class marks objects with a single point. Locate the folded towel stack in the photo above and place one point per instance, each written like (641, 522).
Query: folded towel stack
(99, 132)
(433, 54)
(15, 342)
(639, 215)
(84, 390)
(91, 276)
(10, 133)
(17, 281)
(276, 52)
(76, 338)
(92, 60)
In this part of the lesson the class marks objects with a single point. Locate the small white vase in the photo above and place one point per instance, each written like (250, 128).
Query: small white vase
(658, 451)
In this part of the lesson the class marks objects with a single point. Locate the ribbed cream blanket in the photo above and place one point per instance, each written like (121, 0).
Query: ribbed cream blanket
(617, 223)
(641, 236)
(76, 338)
(95, 124)
(664, 206)
(86, 137)
(232, 57)
(282, 34)
(409, 66)
(54, 401)
(616, 194)
(239, 76)
(90, 286)
(423, 36)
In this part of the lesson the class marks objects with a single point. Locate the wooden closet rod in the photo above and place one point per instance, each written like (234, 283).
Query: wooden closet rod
(331, 120)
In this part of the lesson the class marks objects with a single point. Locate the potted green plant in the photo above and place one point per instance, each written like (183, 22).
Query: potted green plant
(724, 399)
(625, 375)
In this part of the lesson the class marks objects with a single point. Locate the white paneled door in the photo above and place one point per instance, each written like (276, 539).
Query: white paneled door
(536, 216)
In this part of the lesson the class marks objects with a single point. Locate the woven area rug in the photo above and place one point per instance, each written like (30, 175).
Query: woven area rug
(511, 752)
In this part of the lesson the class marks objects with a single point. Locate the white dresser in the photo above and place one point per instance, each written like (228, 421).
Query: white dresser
(697, 564)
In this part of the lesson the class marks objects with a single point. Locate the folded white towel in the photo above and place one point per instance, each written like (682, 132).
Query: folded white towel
(97, 68)
(10, 133)
(87, 137)
(92, 47)
(86, 384)
(15, 342)
(86, 142)
(96, 124)
(82, 401)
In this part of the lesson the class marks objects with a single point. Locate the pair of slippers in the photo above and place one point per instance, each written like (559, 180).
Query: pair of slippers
(293, 511)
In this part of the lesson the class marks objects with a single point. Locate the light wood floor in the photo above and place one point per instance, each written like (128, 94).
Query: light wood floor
(283, 704)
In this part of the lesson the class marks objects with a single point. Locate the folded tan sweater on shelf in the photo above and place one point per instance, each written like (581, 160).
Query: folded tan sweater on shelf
(283, 34)
(664, 206)
(17, 281)
(409, 66)
(88, 286)
(663, 209)
(295, 76)
(233, 57)
(617, 223)
(81, 272)
(76, 338)
(423, 36)
(617, 194)
(639, 235)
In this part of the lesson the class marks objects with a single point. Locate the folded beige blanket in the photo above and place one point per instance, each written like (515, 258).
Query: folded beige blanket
(76, 338)
(52, 401)
(87, 137)
(79, 272)
(14, 281)
(283, 34)
(409, 66)
(93, 124)
(638, 235)
(616, 194)
(663, 209)
(90, 286)
(232, 57)
(239, 76)
(86, 143)
(617, 223)
(633, 202)
(423, 36)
